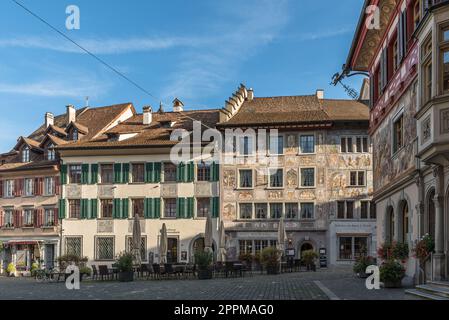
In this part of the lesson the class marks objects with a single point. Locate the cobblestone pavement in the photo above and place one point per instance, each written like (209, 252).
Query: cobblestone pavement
(321, 285)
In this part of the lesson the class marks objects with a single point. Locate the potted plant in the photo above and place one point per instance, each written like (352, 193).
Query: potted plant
(361, 264)
(270, 258)
(85, 271)
(400, 251)
(309, 257)
(34, 268)
(11, 270)
(203, 261)
(125, 267)
(391, 274)
(424, 247)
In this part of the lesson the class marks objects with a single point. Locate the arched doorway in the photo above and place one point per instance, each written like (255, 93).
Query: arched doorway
(389, 225)
(404, 222)
(305, 246)
(430, 215)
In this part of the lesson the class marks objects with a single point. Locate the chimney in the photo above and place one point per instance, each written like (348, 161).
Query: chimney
(178, 106)
(320, 94)
(71, 114)
(250, 94)
(49, 119)
(147, 115)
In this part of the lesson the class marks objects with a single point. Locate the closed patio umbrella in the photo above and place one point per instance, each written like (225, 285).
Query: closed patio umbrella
(208, 235)
(281, 237)
(137, 238)
(222, 253)
(163, 245)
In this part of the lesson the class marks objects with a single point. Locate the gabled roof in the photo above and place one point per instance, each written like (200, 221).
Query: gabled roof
(55, 140)
(29, 142)
(56, 129)
(82, 129)
(289, 110)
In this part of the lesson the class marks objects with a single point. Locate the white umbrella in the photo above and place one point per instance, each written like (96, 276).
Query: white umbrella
(163, 245)
(137, 239)
(222, 253)
(208, 235)
(281, 237)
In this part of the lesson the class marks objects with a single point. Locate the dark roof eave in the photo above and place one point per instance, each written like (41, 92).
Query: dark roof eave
(302, 123)
(108, 147)
(29, 168)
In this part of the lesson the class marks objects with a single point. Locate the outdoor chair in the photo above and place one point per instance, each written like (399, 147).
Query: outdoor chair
(189, 271)
(104, 271)
(297, 264)
(247, 268)
(157, 270)
(229, 268)
(94, 272)
(218, 269)
(169, 271)
(144, 270)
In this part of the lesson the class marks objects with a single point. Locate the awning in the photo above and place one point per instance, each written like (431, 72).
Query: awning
(14, 242)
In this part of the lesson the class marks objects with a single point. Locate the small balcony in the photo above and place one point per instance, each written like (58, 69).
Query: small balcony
(433, 131)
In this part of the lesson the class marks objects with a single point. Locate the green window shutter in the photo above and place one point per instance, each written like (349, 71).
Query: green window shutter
(157, 208)
(216, 169)
(93, 209)
(148, 170)
(190, 207)
(116, 209)
(180, 172)
(216, 211)
(83, 209)
(146, 212)
(125, 173)
(125, 208)
(63, 176)
(94, 173)
(118, 173)
(157, 172)
(180, 208)
(190, 171)
(85, 174)
(62, 209)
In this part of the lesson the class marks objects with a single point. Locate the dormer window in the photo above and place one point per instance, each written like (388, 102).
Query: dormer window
(26, 154)
(75, 135)
(51, 153)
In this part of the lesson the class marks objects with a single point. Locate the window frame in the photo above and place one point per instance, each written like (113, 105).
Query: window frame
(203, 171)
(74, 237)
(270, 175)
(272, 205)
(173, 179)
(399, 117)
(301, 210)
(70, 166)
(357, 178)
(133, 176)
(26, 154)
(28, 187)
(301, 151)
(297, 214)
(443, 46)
(206, 201)
(352, 144)
(100, 169)
(267, 213)
(97, 258)
(281, 137)
(172, 205)
(49, 186)
(425, 66)
(239, 179)
(300, 178)
(109, 202)
(240, 210)
(70, 216)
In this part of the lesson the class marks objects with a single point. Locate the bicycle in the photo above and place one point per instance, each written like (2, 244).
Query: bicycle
(43, 275)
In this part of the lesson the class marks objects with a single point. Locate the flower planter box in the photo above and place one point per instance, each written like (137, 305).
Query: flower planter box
(127, 276)
(204, 274)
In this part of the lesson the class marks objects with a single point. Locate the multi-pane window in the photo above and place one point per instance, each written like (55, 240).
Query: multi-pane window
(416, 14)
(275, 210)
(74, 208)
(137, 207)
(444, 49)
(169, 172)
(307, 210)
(107, 206)
(346, 145)
(202, 207)
(307, 143)
(106, 173)
(143, 247)
(26, 154)
(51, 152)
(170, 208)
(246, 210)
(307, 177)
(259, 245)
(246, 146)
(276, 178)
(345, 209)
(357, 178)
(352, 247)
(104, 248)
(203, 171)
(245, 246)
(261, 210)
(49, 186)
(75, 173)
(28, 215)
(245, 178)
(138, 172)
(345, 245)
(73, 246)
(426, 70)
(361, 144)
(398, 133)
(29, 184)
(75, 135)
(291, 210)
(8, 219)
(8, 191)
(364, 209)
(276, 144)
(49, 217)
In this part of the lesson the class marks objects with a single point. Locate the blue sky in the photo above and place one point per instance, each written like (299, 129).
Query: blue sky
(198, 51)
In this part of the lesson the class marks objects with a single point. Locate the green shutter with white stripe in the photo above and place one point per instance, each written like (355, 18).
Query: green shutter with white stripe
(116, 209)
(125, 208)
(94, 173)
(84, 210)
(125, 178)
(215, 207)
(117, 173)
(93, 209)
(157, 172)
(63, 174)
(190, 207)
(190, 172)
(157, 208)
(84, 174)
